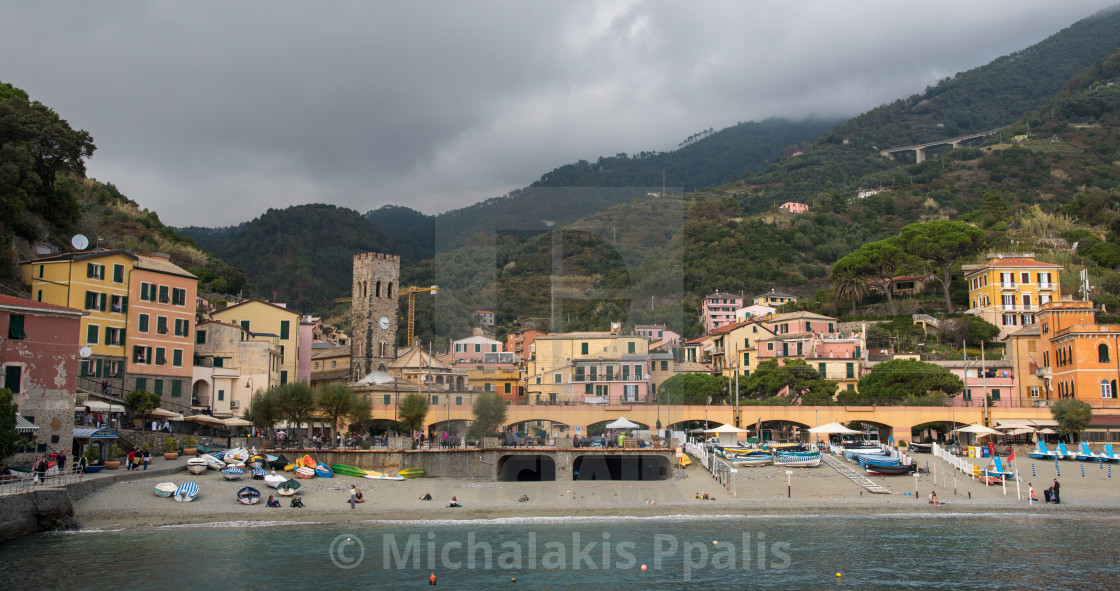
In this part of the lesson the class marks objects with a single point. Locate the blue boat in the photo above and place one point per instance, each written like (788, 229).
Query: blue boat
(186, 492)
(323, 471)
(232, 473)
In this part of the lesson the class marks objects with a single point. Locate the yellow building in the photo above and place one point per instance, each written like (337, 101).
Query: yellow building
(734, 348)
(600, 367)
(1008, 290)
(259, 317)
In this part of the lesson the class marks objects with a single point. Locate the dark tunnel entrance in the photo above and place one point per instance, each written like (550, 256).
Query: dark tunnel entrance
(526, 468)
(620, 467)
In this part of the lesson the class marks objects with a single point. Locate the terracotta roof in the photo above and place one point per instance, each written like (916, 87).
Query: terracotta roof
(1018, 262)
(259, 301)
(343, 351)
(162, 266)
(84, 255)
(696, 341)
(726, 328)
(1030, 330)
(7, 300)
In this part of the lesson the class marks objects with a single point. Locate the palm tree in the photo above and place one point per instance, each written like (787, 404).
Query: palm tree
(849, 283)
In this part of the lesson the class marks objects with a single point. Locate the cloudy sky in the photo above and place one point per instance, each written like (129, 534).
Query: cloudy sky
(211, 112)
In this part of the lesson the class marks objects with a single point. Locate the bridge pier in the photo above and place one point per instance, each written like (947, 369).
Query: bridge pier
(919, 155)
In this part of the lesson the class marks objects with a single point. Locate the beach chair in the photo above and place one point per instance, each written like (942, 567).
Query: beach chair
(1063, 453)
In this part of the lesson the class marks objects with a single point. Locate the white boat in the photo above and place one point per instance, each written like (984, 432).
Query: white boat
(166, 489)
(238, 454)
(196, 465)
(213, 462)
(759, 461)
(232, 473)
(186, 492)
(798, 460)
(273, 480)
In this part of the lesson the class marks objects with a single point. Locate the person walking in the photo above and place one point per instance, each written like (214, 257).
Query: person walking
(147, 459)
(131, 459)
(353, 496)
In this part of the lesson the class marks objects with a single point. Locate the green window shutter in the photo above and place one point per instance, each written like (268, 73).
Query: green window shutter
(851, 370)
(163, 294)
(120, 370)
(104, 302)
(89, 300)
(177, 358)
(161, 356)
(799, 348)
(583, 348)
(629, 347)
(83, 368)
(176, 388)
(285, 329)
(89, 270)
(143, 327)
(118, 273)
(218, 362)
(143, 291)
(157, 386)
(820, 369)
(388, 399)
(283, 377)
(508, 388)
(15, 327)
(91, 334)
(625, 373)
(142, 384)
(200, 337)
(245, 326)
(148, 355)
(124, 305)
(161, 324)
(98, 365)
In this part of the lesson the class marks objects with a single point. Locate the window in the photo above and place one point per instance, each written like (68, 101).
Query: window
(769, 346)
(507, 385)
(13, 375)
(118, 273)
(630, 392)
(114, 336)
(182, 327)
(1034, 391)
(163, 297)
(968, 394)
(808, 326)
(594, 373)
(200, 337)
(119, 304)
(477, 348)
(41, 271)
(142, 384)
(141, 354)
(493, 348)
(665, 364)
(1102, 353)
(176, 388)
(538, 381)
(556, 378)
(96, 301)
(435, 398)
(218, 362)
(161, 356)
(625, 373)
(179, 296)
(15, 327)
(285, 329)
(143, 323)
(177, 358)
(610, 373)
(92, 334)
(820, 369)
(245, 326)
(1106, 389)
(458, 401)
(388, 399)
(283, 377)
(146, 291)
(630, 347)
(95, 271)
(221, 395)
(161, 324)
(583, 348)
(157, 386)
(850, 370)
(995, 394)
(579, 374)
(1009, 320)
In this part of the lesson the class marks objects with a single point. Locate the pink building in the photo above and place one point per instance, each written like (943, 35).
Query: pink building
(994, 377)
(794, 207)
(719, 309)
(520, 343)
(658, 334)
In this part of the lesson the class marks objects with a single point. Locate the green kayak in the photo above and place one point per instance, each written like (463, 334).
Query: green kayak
(411, 473)
(348, 470)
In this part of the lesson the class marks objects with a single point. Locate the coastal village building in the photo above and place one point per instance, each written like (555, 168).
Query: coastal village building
(373, 313)
(774, 299)
(659, 336)
(1024, 347)
(484, 317)
(472, 348)
(39, 363)
(1079, 357)
(908, 285)
(330, 365)
(794, 207)
(754, 311)
(230, 365)
(263, 319)
(141, 310)
(520, 343)
(718, 309)
(1008, 290)
(591, 368)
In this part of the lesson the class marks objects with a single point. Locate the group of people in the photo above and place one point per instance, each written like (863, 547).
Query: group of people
(699, 497)
(1052, 494)
(297, 502)
(164, 426)
(454, 502)
(135, 459)
(356, 496)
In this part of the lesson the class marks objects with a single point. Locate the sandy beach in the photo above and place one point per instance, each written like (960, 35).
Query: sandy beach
(758, 491)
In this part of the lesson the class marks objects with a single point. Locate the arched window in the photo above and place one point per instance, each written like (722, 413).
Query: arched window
(377, 290)
(1102, 353)
(389, 291)
(1106, 389)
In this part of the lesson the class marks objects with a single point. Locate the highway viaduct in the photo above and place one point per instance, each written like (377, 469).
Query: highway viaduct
(919, 150)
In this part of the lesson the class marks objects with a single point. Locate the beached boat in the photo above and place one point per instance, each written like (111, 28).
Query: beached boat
(166, 489)
(305, 472)
(232, 473)
(237, 454)
(278, 462)
(196, 465)
(753, 461)
(186, 492)
(256, 461)
(891, 470)
(374, 475)
(248, 495)
(307, 462)
(92, 469)
(798, 460)
(273, 480)
(289, 467)
(257, 473)
(288, 488)
(347, 470)
(212, 461)
(411, 473)
(921, 448)
(323, 471)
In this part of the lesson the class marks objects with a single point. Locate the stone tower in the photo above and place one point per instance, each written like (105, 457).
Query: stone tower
(373, 313)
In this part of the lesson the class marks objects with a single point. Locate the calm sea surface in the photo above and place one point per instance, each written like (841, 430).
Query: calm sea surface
(887, 552)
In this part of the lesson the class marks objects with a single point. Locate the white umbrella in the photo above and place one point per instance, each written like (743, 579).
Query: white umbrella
(1046, 431)
(725, 429)
(834, 428)
(165, 414)
(205, 420)
(979, 430)
(236, 422)
(622, 423)
(1020, 431)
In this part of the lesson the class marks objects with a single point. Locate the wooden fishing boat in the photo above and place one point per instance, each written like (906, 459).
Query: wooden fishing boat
(237, 454)
(196, 465)
(273, 480)
(166, 489)
(891, 470)
(186, 492)
(288, 488)
(798, 460)
(753, 461)
(305, 472)
(248, 495)
(411, 473)
(212, 462)
(323, 471)
(232, 473)
(347, 470)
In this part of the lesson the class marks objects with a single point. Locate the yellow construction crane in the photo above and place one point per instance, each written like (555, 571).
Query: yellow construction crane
(411, 292)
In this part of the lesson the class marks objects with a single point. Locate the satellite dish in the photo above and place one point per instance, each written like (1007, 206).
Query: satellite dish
(85, 352)
(79, 241)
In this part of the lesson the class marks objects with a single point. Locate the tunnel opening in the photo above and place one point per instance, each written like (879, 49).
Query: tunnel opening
(526, 468)
(618, 467)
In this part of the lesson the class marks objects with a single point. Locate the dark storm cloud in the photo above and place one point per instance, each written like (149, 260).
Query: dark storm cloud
(211, 112)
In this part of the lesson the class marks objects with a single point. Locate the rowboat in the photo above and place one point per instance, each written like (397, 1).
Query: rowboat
(248, 495)
(277, 462)
(196, 465)
(256, 461)
(753, 461)
(305, 472)
(307, 462)
(232, 473)
(411, 473)
(165, 489)
(212, 461)
(798, 460)
(273, 480)
(289, 467)
(186, 492)
(323, 471)
(347, 470)
(921, 448)
(239, 454)
(895, 470)
(288, 488)
(258, 473)
(373, 475)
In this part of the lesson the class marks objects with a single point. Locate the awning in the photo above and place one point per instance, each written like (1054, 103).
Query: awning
(236, 422)
(25, 426)
(205, 420)
(88, 433)
(622, 423)
(834, 428)
(725, 429)
(99, 406)
(165, 414)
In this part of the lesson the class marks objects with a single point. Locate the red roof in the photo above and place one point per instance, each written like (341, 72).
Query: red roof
(726, 328)
(1021, 262)
(7, 300)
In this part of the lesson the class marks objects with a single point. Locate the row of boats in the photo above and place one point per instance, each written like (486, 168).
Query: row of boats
(875, 460)
(1083, 453)
(792, 456)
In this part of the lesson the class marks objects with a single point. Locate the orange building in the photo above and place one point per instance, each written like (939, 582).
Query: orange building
(1079, 357)
(160, 334)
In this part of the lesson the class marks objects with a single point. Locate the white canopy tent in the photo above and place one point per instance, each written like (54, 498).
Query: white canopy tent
(727, 434)
(623, 423)
(834, 428)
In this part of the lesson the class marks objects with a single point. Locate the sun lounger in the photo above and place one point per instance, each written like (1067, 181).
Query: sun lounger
(1087, 455)
(1108, 454)
(1063, 453)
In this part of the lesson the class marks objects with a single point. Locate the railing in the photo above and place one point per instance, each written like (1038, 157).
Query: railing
(21, 483)
(719, 470)
(957, 463)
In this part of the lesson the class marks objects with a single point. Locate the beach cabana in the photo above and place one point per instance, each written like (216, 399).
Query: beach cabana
(728, 434)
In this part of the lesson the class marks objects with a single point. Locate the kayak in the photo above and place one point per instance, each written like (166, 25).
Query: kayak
(373, 475)
(307, 461)
(347, 470)
(323, 471)
(411, 473)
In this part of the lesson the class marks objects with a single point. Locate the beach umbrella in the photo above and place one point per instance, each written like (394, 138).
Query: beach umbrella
(979, 430)
(834, 428)
(236, 422)
(1046, 431)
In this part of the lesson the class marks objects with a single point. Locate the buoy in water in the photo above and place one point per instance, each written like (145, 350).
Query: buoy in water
(432, 578)
(837, 575)
(715, 542)
(643, 567)
(513, 579)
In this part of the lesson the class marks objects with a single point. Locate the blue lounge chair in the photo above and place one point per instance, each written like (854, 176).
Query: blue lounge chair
(1109, 455)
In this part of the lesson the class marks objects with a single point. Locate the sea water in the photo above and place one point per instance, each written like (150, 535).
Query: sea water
(949, 551)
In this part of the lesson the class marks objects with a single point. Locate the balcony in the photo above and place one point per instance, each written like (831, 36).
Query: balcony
(1043, 372)
(1005, 285)
(1047, 286)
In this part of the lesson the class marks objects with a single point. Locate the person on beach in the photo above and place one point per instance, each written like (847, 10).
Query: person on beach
(147, 458)
(933, 499)
(272, 502)
(426, 497)
(358, 498)
(1054, 492)
(353, 496)
(454, 502)
(131, 459)
(297, 502)
(1031, 488)
(523, 499)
